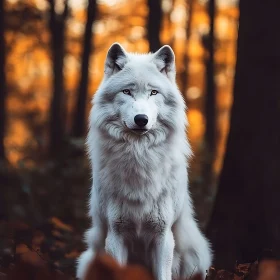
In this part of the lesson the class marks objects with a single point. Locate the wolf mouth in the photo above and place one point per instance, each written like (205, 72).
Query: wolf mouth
(139, 131)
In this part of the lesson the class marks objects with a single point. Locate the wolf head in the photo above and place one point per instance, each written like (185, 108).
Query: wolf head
(138, 96)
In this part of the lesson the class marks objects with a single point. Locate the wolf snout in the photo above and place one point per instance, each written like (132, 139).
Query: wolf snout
(141, 120)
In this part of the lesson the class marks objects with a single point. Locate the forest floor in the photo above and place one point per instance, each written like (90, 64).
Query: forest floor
(50, 251)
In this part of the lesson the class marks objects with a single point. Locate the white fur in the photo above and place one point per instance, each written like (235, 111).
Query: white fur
(140, 180)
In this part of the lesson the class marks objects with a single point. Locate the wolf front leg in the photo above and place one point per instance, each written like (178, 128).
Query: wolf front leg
(114, 245)
(95, 239)
(164, 249)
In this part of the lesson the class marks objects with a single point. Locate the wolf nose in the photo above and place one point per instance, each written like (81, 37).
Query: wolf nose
(141, 120)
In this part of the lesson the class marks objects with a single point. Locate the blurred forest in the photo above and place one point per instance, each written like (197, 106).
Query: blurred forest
(54, 55)
(51, 62)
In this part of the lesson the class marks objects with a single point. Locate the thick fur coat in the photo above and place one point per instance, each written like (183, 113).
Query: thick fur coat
(140, 206)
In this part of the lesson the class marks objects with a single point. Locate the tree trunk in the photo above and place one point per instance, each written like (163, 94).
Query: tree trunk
(3, 88)
(185, 73)
(210, 100)
(154, 24)
(80, 112)
(245, 219)
(57, 110)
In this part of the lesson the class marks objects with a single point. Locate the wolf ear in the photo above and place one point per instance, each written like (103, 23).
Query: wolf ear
(164, 59)
(115, 60)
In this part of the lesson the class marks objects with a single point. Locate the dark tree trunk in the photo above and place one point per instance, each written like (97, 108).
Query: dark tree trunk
(80, 112)
(210, 100)
(3, 88)
(186, 55)
(209, 150)
(57, 110)
(245, 218)
(154, 24)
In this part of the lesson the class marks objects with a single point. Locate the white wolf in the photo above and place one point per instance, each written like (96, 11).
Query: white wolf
(140, 205)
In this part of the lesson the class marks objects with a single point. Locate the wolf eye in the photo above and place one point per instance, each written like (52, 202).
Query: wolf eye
(127, 91)
(154, 92)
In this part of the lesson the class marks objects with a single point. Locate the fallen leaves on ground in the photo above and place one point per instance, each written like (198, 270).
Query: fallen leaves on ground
(269, 270)
(106, 268)
(49, 252)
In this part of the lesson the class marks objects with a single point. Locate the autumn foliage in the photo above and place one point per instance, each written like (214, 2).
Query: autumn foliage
(49, 252)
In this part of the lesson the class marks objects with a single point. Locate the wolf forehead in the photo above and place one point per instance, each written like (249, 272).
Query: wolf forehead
(136, 79)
